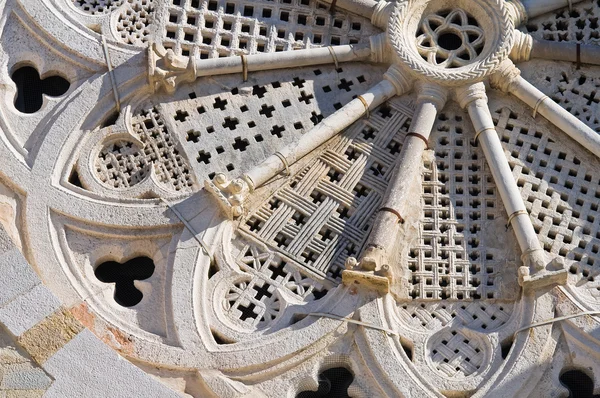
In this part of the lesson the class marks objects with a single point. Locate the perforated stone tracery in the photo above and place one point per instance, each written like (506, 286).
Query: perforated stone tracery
(561, 192)
(213, 28)
(450, 39)
(122, 164)
(454, 257)
(134, 21)
(324, 215)
(97, 6)
(477, 315)
(455, 354)
(230, 127)
(255, 298)
(577, 25)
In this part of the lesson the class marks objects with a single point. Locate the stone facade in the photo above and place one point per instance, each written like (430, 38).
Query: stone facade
(299, 198)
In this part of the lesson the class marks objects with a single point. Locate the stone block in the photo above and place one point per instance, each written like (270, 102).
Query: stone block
(28, 309)
(25, 377)
(17, 276)
(86, 367)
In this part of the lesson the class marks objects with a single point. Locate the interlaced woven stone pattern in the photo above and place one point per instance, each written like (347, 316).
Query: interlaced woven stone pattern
(561, 192)
(456, 355)
(134, 21)
(451, 260)
(97, 6)
(324, 214)
(578, 25)
(482, 316)
(122, 164)
(231, 126)
(216, 28)
(253, 301)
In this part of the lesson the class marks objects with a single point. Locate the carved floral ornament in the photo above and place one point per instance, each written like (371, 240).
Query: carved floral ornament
(391, 197)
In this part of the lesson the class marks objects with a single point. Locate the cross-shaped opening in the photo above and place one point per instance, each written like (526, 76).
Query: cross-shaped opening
(345, 84)
(203, 157)
(259, 91)
(266, 110)
(219, 103)
(247, 311)
(305, 97)
(277, 270)
(262, 291)
(181, 116)
(277, 130)
(298, 82)
(240, 144)
(230, 123)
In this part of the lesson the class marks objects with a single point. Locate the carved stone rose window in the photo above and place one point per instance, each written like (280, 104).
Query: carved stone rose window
(302, 197)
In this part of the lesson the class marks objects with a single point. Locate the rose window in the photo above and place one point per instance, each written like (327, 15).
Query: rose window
(450, 39)
(296, 198)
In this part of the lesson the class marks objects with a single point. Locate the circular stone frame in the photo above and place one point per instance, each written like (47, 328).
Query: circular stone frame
(493, 14)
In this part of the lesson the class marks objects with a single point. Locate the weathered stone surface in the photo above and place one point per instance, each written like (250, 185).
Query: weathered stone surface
(255, 198)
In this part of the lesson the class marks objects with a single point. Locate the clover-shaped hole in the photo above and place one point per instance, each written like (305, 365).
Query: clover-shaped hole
(580, 385)
(30, 88)
(333, 383)
(123, 276)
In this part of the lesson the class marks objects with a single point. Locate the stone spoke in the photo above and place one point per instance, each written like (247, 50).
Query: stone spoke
(232, 194)
(169, 70)
(508, 79)
(364, 8)
(373, 268)
(474, 99)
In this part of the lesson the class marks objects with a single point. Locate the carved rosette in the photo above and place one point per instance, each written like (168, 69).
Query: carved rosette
(482, 37)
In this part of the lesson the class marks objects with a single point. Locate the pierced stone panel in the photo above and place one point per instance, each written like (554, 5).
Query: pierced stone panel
(254, 300)
(455, 354)
(230, 126)
(214, 28)
(456, 257)
(96, 7)
(482, 316)
(121, 164)
(580, 24)
(578, 91)
(134, 21)
(324, 214)
(561, 191)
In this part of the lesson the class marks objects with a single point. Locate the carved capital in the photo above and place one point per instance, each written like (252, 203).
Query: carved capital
(467, 94)
(537, 272)
(381, 14)
(505, 76)
(373, 271)
(167, 70)
(431, 92)
(398, 78)
(230, 194)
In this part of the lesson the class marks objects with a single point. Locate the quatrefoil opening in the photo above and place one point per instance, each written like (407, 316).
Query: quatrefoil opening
(449, 39)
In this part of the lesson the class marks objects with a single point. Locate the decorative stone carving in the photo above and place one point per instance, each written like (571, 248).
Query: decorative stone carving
(406, 204)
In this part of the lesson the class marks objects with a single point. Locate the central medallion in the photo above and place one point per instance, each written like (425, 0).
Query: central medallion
(450, 39)
(449, 45)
